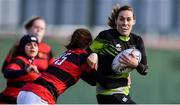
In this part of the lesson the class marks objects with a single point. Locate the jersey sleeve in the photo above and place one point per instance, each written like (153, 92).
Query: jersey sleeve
(142, 67)
(83, 62)
(97, 44)
(15, 69)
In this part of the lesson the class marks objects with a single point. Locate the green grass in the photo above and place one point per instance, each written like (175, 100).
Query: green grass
(160, 86)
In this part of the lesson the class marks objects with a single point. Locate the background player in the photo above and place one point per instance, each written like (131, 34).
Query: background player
(21, 69)
(35, 26)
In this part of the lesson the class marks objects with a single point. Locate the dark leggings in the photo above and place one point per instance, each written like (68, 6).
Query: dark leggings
(114, 99)
(7, 99)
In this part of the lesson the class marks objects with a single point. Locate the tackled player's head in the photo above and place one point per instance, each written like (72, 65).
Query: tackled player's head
(81, 38)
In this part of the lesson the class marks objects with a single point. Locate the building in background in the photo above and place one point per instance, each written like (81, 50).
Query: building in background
(153, 16)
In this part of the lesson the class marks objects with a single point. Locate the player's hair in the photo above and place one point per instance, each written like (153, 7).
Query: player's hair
(112, 18)
(81, 38)
(115, 12)
(30, 22)
(20, 49)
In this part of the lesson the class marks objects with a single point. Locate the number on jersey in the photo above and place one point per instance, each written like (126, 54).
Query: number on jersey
(60, 60)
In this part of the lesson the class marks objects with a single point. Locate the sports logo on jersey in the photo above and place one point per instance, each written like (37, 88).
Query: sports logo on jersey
(124, 99)
(61, 59)
(118, 47)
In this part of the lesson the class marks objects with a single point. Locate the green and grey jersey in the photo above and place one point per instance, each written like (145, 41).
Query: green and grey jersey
(107, 45)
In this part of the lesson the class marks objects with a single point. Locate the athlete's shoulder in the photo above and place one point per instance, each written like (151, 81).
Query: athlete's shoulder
(82, 55)
(77, 51)
(108, 31)
(44, 46)
(107, 34)
(21, 58)
(136, 37)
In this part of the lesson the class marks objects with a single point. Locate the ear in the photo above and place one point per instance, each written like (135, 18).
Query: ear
(134, 21)
(116, 21)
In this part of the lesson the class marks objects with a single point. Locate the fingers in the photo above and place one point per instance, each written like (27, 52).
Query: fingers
(92, 61)
(129, 61)
(32, 68)
(131, 54)
(123, 59)
(35, 69)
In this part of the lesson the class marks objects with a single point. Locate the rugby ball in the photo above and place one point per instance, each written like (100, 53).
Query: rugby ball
(120, 68)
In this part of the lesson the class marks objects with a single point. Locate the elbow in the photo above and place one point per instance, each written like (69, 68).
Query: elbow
(142, 69)
(6, 75)
(91, 83)
(143, 73)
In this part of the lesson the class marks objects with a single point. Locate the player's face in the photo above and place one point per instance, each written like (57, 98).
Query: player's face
(38, 28)
(125, 22)
(31, 49)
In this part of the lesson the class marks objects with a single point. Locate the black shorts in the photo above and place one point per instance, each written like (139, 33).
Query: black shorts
(7, 99)
(114, 99)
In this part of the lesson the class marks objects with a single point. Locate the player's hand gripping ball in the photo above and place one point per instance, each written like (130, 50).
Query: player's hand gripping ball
(120, 68)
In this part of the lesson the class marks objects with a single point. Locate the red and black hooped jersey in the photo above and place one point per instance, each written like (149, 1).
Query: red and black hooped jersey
(42, 60)
(17, 77)
(44, 57)
(61, 74)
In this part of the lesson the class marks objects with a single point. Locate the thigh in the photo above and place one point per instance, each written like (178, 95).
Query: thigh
(7, 99)
(26, 97)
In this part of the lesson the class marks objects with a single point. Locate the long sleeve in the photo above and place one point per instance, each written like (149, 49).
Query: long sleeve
(9, 73)
(142, 67)
(89, 78)
(15, 69)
